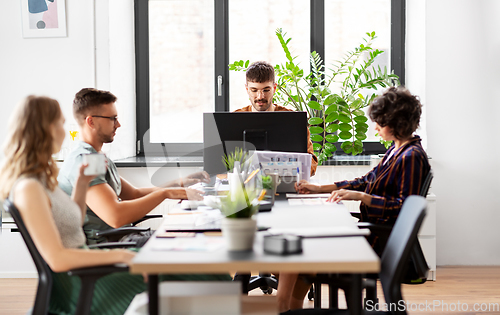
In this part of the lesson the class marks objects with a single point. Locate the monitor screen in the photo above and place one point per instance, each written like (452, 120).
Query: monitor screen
(284, 131)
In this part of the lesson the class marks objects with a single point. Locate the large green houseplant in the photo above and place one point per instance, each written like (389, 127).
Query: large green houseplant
(333, 98)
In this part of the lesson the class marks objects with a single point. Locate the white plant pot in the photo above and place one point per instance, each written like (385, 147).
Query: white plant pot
(239, 233)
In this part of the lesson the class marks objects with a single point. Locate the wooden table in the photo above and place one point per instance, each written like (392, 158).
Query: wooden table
(351, 255)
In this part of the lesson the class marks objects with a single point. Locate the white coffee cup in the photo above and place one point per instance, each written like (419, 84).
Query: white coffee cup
(96, 164)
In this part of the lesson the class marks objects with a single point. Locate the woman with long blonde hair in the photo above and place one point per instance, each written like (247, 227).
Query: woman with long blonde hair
(28, 177)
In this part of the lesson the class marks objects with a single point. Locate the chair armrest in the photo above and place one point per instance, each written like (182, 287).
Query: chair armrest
(112, 245)
(375, 228)
(98, 270)
(88, 278)
(147, 217)
(121, 231)
(369, 283)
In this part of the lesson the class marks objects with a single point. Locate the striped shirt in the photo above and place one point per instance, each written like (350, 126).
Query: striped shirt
(400, 174)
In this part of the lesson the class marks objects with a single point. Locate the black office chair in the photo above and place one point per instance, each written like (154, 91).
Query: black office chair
(393, 262)
(88, 276)
(265, 281)
(418, 268)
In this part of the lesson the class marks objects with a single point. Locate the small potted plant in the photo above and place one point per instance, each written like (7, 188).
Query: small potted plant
(238, 156)
(239, 227)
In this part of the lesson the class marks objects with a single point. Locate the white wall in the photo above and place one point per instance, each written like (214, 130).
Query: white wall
(56, 67)
(456, 70)
(97, 52)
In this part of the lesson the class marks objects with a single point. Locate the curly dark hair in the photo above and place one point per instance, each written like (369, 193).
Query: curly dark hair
(260, 71)
(398, 109)
(89, 98)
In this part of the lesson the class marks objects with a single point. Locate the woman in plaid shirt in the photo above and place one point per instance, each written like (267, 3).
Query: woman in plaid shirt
(383, 190)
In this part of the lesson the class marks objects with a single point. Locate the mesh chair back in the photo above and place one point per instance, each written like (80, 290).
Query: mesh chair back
(398, 248)
(42, 298)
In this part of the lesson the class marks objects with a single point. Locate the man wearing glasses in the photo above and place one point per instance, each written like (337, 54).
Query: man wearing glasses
(261, 86)
(112, 202)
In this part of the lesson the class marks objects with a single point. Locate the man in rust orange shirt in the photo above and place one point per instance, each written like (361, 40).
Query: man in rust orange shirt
(261, 86)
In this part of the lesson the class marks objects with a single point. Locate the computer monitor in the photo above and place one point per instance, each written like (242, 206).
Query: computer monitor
(284, 131)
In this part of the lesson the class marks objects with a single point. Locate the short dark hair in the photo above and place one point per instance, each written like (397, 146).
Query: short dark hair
(398, 109)
(89, 98)
(260, 71)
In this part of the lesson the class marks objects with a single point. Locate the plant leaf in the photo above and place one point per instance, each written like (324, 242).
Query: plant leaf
(346, 146)
(358, 112)
(315, 120)
(332, 117)
(356, 104)
(344, 110)
(357, 147)
(345, 135)
(344, 118)
(340, 101)
(332, 138)
(330, 147)
(314, 105)
(330, 99)
(332, 128)
(316, 138)
(360, 135)
(360, 119)
(361, 128)
(321, 158)
(315, 129)
(331, 108)
(345, 127)
(316, 146)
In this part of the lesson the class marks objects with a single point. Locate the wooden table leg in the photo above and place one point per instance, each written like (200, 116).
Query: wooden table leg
(153, 294)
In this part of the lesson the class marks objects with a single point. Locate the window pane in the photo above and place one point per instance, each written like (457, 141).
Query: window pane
(346, 24)
(252, 27)
(181, 65)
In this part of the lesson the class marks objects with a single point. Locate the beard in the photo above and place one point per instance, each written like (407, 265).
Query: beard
(107, 138)
(261, 107)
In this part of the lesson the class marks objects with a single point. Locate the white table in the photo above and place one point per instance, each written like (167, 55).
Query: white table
(334, 254)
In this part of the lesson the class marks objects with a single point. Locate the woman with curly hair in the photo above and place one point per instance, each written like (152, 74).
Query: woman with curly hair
(383, 190)
(28, 177)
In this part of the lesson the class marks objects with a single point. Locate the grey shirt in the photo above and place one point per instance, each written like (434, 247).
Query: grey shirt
(67, 179)
(66, 214)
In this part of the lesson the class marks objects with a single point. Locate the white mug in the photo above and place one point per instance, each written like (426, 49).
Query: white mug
(96, 164)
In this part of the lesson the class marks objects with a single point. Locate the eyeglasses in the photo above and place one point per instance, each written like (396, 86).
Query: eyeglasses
(264, 91)
(114, 119)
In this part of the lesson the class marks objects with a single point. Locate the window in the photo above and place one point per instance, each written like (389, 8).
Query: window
(252, 36)
(181, 67)
(346, 25)
(183, 48)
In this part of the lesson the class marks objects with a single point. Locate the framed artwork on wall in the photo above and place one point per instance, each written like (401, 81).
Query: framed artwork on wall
(43, 18)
